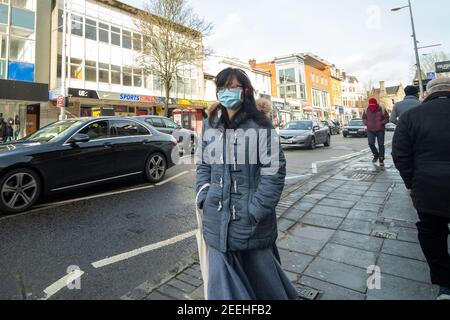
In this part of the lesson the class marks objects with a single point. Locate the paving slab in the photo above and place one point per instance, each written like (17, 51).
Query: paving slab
(294, 214)
(357, 226)
(352, 256)
(294, 262)
(356, 240)
(344, 204)
(301, 245)
(320, 220)
(314, 233)
(344, 196)
(404, 268)
(362, 215)
(340, 274)
(330, 291)
(403, 249)
(285, 224)
(395, 288)
(330, 211)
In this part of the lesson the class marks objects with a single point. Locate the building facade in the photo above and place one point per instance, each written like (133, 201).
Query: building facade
(102, 46)
(387, 96)
(24, 62)
(289, 82)
(354, 98)
(337, 101)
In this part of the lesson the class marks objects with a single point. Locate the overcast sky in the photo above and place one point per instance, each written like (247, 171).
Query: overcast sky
(361, 36)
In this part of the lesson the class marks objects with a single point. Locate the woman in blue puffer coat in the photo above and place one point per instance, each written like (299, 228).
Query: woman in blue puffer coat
(241, 173)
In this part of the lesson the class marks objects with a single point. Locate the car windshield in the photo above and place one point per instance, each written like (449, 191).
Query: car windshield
(52, 131)
(357, 123)
(299, 125)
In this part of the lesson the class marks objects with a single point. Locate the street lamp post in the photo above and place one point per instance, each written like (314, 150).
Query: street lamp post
(63, 62)
(416, 49)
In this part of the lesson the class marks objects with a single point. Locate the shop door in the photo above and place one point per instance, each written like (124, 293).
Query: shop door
(32, 118)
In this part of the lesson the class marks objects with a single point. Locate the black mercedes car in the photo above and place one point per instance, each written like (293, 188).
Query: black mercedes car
(80, 152)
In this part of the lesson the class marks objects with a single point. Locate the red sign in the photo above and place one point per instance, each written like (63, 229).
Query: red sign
(60, 102)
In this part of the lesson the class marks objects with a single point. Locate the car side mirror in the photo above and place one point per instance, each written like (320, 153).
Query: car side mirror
(79, 138)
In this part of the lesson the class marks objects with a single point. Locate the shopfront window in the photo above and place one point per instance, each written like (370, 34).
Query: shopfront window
(91, 29)
(76, 69)
(90, 71)
(16, 114)
(115, 74)
(103, 72)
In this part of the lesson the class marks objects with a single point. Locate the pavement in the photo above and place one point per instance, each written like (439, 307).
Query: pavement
(347, 233)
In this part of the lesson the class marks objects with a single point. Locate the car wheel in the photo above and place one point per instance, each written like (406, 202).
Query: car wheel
(155, 168)
(345, 136)
(19, 190)
(312, 146)
(328, 142)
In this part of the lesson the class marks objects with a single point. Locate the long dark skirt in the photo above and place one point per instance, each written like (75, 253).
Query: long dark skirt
(248, 275)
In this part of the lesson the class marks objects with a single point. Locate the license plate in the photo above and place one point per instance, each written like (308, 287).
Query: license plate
(287, 141)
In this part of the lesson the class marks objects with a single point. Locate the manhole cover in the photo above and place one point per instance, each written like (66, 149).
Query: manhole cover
(384, 235)
(307, 293)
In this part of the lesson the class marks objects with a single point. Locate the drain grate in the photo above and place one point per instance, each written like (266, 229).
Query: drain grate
(363, 176)
(384, 235)
(307, 293)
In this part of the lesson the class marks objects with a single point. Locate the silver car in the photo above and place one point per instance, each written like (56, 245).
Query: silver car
(305, 133)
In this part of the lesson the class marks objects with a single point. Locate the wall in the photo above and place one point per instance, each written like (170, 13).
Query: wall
(43, 43)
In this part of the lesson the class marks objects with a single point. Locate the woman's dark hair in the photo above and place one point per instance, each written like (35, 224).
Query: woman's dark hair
(248, 108)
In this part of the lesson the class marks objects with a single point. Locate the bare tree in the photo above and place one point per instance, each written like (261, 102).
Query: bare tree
(428, 62)
(173, 39)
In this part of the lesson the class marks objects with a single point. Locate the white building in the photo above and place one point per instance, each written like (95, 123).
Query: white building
(102, 46)
(353, 96)
(261, 79)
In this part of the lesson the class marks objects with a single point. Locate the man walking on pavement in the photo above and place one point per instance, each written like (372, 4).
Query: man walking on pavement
(411, 101)
(422, 155)
(375, 118)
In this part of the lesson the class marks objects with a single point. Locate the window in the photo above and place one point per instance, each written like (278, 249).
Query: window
(4, 13)
(115, 74)
(22, 18)
(77, 25)
(157, 83)
(127, 77)
(123, 128)
(137, 42)
(59, 66)
(103, 32)
(103, 72)
(23, 4)
(96, 130)
(21, 50)
(115, 36)
(170, 124)
(76, 70)
(90, 70)
(194, 87)
(3, 42)
(137, 78)
(91, 29)
(126, 39)
(156, 122)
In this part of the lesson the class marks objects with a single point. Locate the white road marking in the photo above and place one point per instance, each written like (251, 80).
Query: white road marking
(62, 283)
(172, 178)
(297, 177)
(145, 249)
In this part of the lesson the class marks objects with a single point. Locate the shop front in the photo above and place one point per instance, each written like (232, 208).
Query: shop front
(313, 113)
(189, 114)
(20, 105)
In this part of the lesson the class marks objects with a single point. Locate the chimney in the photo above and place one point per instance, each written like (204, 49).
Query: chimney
(252, 63)
(382, 86)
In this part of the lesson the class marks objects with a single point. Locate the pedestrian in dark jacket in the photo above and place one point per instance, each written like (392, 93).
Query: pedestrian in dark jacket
(3, 129)
(422, 155)
(375, 118)
(411, 101)
(238, 193)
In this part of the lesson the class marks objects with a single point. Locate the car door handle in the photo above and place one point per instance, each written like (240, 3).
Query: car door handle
(146, 141)
(108, 145)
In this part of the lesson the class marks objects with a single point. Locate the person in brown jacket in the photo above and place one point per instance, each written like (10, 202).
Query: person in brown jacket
(375, 118)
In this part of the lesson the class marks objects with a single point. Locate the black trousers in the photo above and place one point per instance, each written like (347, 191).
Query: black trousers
(433, 237)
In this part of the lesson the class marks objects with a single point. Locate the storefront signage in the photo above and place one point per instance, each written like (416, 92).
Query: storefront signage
(83, 93)
(129, 97)
(442, 67)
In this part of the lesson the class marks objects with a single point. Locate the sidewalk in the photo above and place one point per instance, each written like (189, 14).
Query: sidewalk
(334, 227)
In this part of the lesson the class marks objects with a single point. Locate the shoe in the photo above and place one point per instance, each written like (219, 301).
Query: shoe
(444, 294)
(375, 159)
(381, 162)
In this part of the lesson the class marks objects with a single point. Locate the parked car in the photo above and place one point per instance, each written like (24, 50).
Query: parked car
(305, 133)
(185, 137)
(391, 127)
(75, 153)
(355, 127)
(334, 128)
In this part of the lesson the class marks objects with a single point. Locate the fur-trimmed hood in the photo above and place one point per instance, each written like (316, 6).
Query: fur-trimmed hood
(263, 105)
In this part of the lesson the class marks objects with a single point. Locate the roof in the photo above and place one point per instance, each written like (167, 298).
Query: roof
(389, 90)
